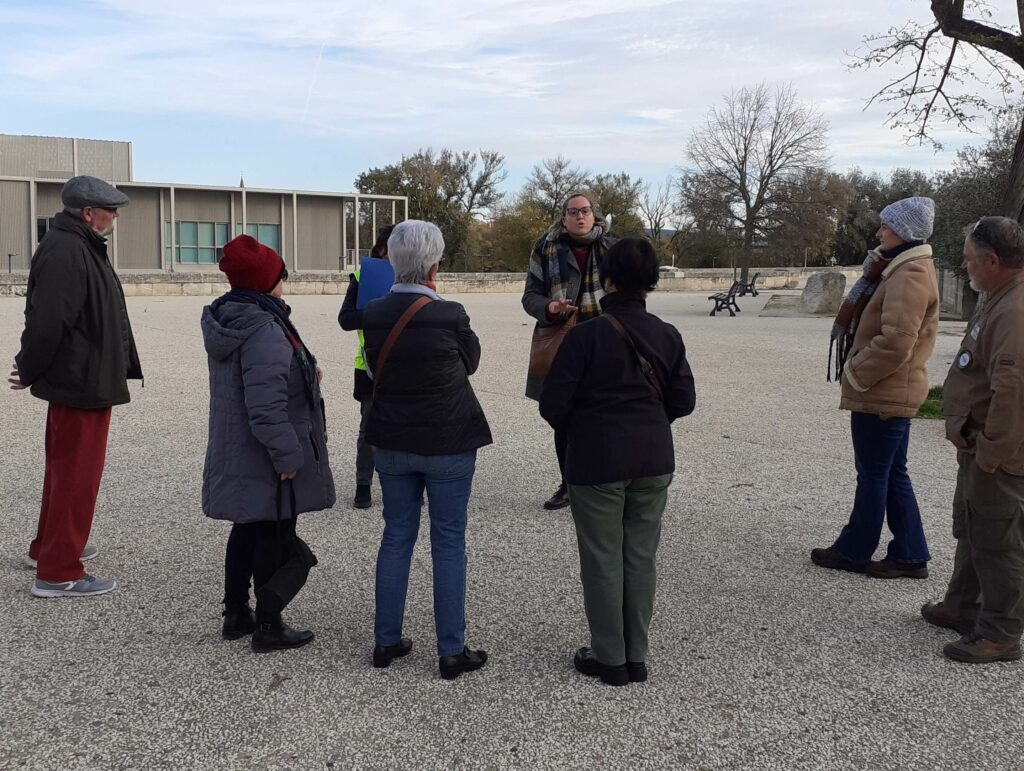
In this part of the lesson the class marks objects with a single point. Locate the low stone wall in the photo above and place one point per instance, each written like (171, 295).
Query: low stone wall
(211, 283)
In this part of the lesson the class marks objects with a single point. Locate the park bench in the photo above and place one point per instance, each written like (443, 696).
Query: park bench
(749, 287)
(726, 301)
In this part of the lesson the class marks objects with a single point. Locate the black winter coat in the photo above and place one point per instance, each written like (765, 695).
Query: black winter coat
(617, 427)
(424, 403)
(77, 349)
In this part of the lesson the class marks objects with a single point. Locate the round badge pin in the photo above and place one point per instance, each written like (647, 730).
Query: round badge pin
(964, 361)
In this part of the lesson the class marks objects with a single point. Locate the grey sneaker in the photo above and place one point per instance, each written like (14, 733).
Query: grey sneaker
(86, 586)
(87, 554)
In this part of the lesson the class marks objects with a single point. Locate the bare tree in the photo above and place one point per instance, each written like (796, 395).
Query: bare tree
(944, 63)
(656, 204)
(749, 154)
(551, 181)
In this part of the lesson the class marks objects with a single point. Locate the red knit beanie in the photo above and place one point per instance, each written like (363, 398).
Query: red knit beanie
(251, 265)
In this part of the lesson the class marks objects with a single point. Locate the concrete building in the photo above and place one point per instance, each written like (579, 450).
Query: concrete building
(174, 228)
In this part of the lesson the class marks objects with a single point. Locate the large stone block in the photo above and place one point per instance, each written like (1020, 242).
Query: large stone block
(823, 293)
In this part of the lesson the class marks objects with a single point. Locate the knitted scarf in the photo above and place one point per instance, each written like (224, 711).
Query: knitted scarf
(844, 329)
(282, 313)
(591, 291)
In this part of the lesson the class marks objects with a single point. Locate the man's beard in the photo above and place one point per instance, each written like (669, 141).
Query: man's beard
(974, 285)
(103, 233)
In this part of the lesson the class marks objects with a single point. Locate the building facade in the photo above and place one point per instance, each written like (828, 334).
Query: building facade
(172, 228)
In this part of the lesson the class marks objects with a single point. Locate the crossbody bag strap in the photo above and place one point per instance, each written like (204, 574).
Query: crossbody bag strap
(392, 337)
(648, 369)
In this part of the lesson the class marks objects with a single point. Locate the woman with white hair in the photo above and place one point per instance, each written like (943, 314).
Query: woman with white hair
(425, 425)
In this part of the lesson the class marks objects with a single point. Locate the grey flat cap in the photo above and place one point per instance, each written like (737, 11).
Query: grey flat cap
(83, 191)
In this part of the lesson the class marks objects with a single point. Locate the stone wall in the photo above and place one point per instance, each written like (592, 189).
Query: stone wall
(210, 283)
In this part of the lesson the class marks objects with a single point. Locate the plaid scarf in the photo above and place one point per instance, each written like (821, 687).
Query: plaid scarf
(557, 238)
(845, 326)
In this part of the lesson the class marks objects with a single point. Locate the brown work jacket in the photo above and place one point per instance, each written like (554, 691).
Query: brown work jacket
(983, 399)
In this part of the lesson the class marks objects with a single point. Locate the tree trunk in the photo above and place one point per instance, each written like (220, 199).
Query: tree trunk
(1013, 197)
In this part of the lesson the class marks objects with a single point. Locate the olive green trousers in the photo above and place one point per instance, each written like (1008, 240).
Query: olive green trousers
(618, 526)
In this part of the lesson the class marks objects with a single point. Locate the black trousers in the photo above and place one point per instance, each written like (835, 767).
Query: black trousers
(253, 553)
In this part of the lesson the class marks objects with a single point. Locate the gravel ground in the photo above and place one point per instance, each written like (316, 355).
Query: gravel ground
(759, 660)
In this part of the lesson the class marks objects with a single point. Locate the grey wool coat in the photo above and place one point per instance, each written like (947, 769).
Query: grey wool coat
(261, 421)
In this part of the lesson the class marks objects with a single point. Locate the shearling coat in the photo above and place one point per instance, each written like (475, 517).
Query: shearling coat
(261, 421)
(886, 373)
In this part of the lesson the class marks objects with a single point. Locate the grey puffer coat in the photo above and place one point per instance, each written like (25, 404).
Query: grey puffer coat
(261, 420)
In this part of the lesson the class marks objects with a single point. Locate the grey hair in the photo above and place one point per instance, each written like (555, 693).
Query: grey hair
(1002, 236)
(414, 246)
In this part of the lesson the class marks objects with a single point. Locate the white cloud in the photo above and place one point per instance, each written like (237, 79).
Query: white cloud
(613, 83)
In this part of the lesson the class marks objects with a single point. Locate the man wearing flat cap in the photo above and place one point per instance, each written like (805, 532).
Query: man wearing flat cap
(77, 353)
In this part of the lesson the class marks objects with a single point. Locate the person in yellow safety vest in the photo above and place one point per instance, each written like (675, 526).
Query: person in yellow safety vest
(351, 319)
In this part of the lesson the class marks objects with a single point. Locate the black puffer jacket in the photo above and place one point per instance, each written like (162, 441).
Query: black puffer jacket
(262, 421)
(77, 349)
(424, 403)
(618, 428)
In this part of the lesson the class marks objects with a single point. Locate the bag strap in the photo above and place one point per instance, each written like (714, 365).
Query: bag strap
(648, 369)
(392, 337)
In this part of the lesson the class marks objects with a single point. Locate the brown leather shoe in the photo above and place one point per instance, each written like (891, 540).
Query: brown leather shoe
(975, 649)
(934, 613)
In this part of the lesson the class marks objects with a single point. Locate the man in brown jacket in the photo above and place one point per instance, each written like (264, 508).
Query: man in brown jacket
(984, 411)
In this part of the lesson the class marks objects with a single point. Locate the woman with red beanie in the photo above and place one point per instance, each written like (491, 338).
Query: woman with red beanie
(266, 461)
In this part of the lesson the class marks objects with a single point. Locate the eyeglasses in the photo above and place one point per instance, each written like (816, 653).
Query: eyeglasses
(584, 210)
(108, 209)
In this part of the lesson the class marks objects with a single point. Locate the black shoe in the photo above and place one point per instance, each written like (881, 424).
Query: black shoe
(889, 569)
(362, 499)
(559, 500)
(239, 621)
(830, 558)
(277, 636)
(637, 671)
(383, 655)
(586, 664)
(467, 661)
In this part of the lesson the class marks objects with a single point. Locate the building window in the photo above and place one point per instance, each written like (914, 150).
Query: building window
(43, 225)
(197, 243)
(268, 235)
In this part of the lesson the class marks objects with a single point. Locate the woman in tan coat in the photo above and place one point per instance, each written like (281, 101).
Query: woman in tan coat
(884, 335)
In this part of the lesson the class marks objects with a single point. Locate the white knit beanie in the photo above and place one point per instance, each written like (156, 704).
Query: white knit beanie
(911, 218)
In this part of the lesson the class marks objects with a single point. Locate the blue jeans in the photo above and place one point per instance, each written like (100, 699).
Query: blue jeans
(448, 480)
(884, 492)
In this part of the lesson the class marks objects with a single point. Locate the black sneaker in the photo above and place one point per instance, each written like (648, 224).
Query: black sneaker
(830, 558)
(890, 569)
(586, 664)
(383, 655)
(559, 500)
(467, 661)
(637, 671)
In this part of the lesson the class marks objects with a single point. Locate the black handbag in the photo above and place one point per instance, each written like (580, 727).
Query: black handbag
(292, 570)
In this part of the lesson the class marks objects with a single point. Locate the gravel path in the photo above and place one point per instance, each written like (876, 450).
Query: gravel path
(759, 660)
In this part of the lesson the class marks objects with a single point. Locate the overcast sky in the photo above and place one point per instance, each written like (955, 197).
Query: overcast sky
(307, 94)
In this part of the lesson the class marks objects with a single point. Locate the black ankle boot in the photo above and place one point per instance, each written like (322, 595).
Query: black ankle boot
(362, 499)
(276, 635)
(383, 655)
(239, 620)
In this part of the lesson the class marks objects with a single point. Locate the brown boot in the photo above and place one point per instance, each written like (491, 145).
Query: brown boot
(975, 649)
(934, 613)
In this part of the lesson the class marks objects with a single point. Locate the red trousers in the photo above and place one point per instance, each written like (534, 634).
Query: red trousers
(76, 449)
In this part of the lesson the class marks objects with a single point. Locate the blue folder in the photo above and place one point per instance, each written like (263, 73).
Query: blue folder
(375, 279)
